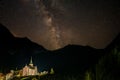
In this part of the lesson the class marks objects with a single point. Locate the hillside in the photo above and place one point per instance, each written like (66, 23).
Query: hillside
(72, 59)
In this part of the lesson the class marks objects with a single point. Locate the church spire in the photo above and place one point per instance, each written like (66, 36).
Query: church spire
(31, 62)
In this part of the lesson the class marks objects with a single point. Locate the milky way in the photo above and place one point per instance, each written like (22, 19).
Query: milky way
(57, 23)
(53, 32)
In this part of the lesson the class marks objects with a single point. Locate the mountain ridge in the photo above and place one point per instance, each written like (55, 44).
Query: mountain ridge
(115, 43)
(69, 58)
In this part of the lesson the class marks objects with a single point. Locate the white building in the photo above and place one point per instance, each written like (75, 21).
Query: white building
(30, 69)
(9, 75)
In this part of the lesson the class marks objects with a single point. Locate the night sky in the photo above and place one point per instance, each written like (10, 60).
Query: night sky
(56, 23)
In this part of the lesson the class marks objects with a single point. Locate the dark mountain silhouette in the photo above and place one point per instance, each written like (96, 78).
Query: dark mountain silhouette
(16, 52)
(76, 58)
(5, 37)
(108, 67)
(14, 48)
(114, 44)
(8, 41)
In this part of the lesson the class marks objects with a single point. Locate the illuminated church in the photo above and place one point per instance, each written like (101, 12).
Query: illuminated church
(30, 69)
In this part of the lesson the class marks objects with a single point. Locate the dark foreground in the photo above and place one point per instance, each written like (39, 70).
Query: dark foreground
(50, 77)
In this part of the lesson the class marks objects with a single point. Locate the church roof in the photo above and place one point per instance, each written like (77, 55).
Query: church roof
(31, 67)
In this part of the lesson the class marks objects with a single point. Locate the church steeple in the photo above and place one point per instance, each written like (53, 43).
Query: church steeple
(31, 62)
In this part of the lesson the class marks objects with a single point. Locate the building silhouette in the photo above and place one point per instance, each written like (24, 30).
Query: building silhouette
(30, 69)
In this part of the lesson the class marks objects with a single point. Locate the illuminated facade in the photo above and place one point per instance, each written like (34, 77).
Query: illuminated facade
(30, 69)
(27, 70)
